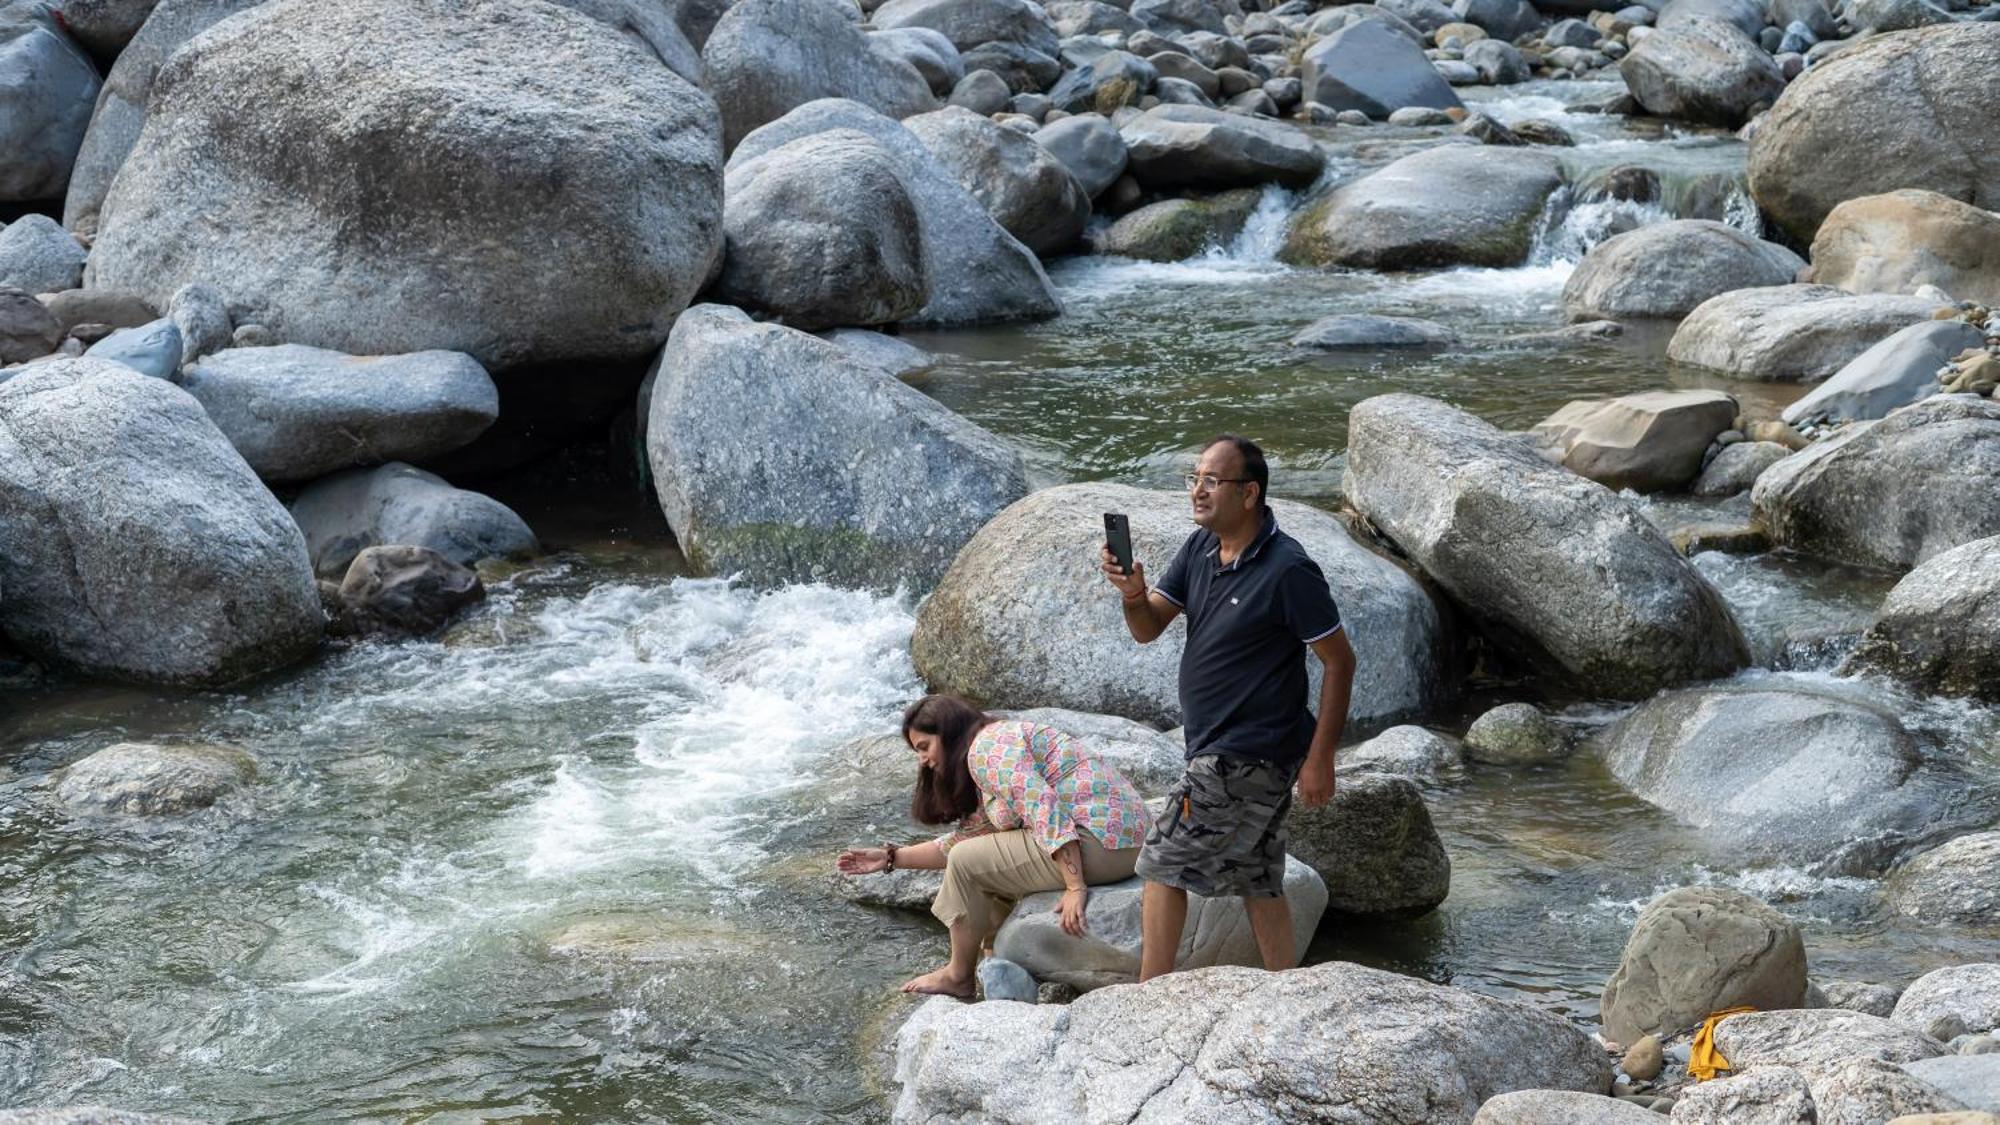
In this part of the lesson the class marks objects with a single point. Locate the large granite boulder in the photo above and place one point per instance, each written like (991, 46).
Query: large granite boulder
(971, 23)
(1861, 1090)
(1217, 932)
(104, 26)
(503, 139)
(1764, 1095)
(1703, 72)
(1952, 1000)
(1191, 146)
(1900, 370)
(821, 232)
(149, 779)
(778, 455)
(1939, 628)
(137, 544)
(296, 413)
(38, 256)
(1649, 442)
(1405, 751)
(1897, 241)
(47, 88)
(1561, 1107)
(1664, 270)
(1697, 950)
(1375, 846)
(1089, 147)
(1955, 884)
(1367, 67)
(1474, 205)
(1894, 111)
(766, 58)
(399, 505)
(1819, 1040)
(1790, 332)
(985, 630)
(1023, 186)
(1232, 1046)
(1557, 569)
(1971, 1080)
(1887, 494)
(978, 273)
(1780, 773)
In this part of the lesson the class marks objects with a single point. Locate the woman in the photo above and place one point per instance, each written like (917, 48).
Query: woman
(1034, 811)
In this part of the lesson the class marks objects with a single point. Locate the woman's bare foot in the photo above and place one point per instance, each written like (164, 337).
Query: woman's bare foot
(941, 983)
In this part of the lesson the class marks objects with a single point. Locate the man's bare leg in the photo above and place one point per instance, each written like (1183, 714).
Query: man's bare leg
(1162, 915)
(1271, 921)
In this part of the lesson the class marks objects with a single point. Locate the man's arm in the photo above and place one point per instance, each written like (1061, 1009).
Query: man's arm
(1336, 658)
(1147, 614)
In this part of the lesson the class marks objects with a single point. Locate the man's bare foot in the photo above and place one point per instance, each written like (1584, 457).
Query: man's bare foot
(940, 983)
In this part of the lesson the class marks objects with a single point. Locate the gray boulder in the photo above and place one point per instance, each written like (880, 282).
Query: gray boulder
(1858, 996)
(105, 26)
(970, 23)
(1730, 762)
(297, 413)
(1178, 17)
(1864, 1091)
(1879, 16)
(1187, 146)
(147, 779)
(1955, 884)
(1090, 18)
(1174, 230)
(1024, 70)
(1817, 1041)
(1746, 16)
(1217, 932)
(1498, 63)
(1234, 1046)
(984, 630)
(982, 91)
(821, 232)
(766, 58)
(1737, 467)
(1424, 15)
(1900, 370)
(1001, 979)
(1561, 1107)
(1360, 330)
(1886, 494)
(399, 591)
(47, 88)
(896, 356)
(777, 455)
(1556, 568)
(1365, 66)
(1649, 442)
(584, 157)
(37, 255)
(112, 307)
(1503, 19)
(1949, 1002)
(1331, 20)
(1814, 14)
(1971, 1080)
(1110, 82)
(1939, 628)
(1516, 734)
(1406, 751)
(1922, 129)
(27, 329)
(1697, 950)
(1089, 147)
(1022, 185)
(153, 349)
(140, 546)
(1664, 270)
(398, 505)
(199, 311)
(1764, 1095)
(1375, 846)
(1452, 205)
(1789, 332)
(1899, 241)
(979, 274)
(927, 50)
(1703, 72)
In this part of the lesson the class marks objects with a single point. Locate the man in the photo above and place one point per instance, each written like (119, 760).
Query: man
(1254, 603)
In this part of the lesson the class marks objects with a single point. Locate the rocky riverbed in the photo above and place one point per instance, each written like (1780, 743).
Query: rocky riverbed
(479, 477)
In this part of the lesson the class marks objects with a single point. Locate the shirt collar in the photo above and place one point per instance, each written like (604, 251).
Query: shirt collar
(1264, 536)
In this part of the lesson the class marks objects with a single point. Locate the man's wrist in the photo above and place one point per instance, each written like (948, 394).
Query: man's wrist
(1138, 598)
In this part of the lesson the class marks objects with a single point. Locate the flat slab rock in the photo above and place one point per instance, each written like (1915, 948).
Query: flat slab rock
(143, 779)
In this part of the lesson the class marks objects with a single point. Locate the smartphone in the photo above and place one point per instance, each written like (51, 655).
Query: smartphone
(1118, 537)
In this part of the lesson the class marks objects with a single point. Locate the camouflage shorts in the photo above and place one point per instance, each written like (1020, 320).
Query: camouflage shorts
(1223, 830)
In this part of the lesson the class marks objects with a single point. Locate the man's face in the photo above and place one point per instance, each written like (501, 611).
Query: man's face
(1225, 505)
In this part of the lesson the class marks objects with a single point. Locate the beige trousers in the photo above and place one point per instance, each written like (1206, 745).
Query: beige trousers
(985, 876)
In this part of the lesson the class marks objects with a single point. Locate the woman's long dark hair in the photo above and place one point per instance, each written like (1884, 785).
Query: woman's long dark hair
(946, 795)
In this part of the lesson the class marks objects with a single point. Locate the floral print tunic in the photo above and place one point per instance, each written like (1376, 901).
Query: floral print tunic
(1037, 778)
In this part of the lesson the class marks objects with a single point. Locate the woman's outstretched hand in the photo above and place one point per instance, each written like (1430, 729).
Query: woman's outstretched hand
(1071, 910)
(862, 861)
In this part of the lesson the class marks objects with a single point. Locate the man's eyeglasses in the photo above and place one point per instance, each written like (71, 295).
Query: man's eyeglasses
(1206, 482)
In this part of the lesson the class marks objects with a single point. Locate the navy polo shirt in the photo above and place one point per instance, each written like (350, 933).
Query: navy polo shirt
(1243, 672)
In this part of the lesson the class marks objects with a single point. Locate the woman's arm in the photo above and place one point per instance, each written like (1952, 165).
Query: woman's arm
(1076, 895)
(926, 856)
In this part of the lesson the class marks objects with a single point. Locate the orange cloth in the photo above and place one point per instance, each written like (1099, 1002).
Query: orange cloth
(1703, 1059)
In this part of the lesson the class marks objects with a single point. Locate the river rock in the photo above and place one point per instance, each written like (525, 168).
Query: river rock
(1174, 230)
(1746, 16)
(153, 349)
(199, 311)
(1498, 63)
(1737, 467)
(984, 630)
(141, 547)
(778, 456)
(1764, 1095)
(1939, 628)
(1515, 734)
(1789, 332)
(927, 50)
(38, 256)
(1858, 996)
(1338, 18)
(1900, 240)
(1110, 82)
(983, 92)
(1502, 19)
(1359, 330)
(1664, 270)
(1187, 146)
(1217, 932)
(1702, 72)
(1368, 67)
(1896, 372)
(397, 504)
(148, 779)
(1878, 16)
(1233, 1046)
(1865, 1091)
(104, 26)
(113, 307)
(1949, 1002)
(1557, 569)
(821, 232)
(47, 88)
(27, 329)
(1022, 185)
(1406, 751)
(1885, 494)
(1561, 1107)
(1972, 1080)
(1922, 129)
(1957, 883)
(1697, 950)
(979, 274)
(1649, 442)
(582, 155)
(896, 356)
(1091, 18)
(969, 23)
(1424, 15)
(400, 591)
(1375, 846)
(766, 58)
(1399, 217)
(1727, 760)
(1089, 146)
(297, 413)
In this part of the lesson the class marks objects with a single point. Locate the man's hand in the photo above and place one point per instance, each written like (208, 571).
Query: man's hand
(1316, 781)
(1130, 586)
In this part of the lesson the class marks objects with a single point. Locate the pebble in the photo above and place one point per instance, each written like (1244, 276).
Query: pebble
(1643, 1060)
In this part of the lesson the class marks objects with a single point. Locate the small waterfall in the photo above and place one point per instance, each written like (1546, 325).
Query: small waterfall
(1263, 233)
(1577, 218)
(1568, 228)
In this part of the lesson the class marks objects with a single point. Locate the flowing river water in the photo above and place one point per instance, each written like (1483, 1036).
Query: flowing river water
(570, 859)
